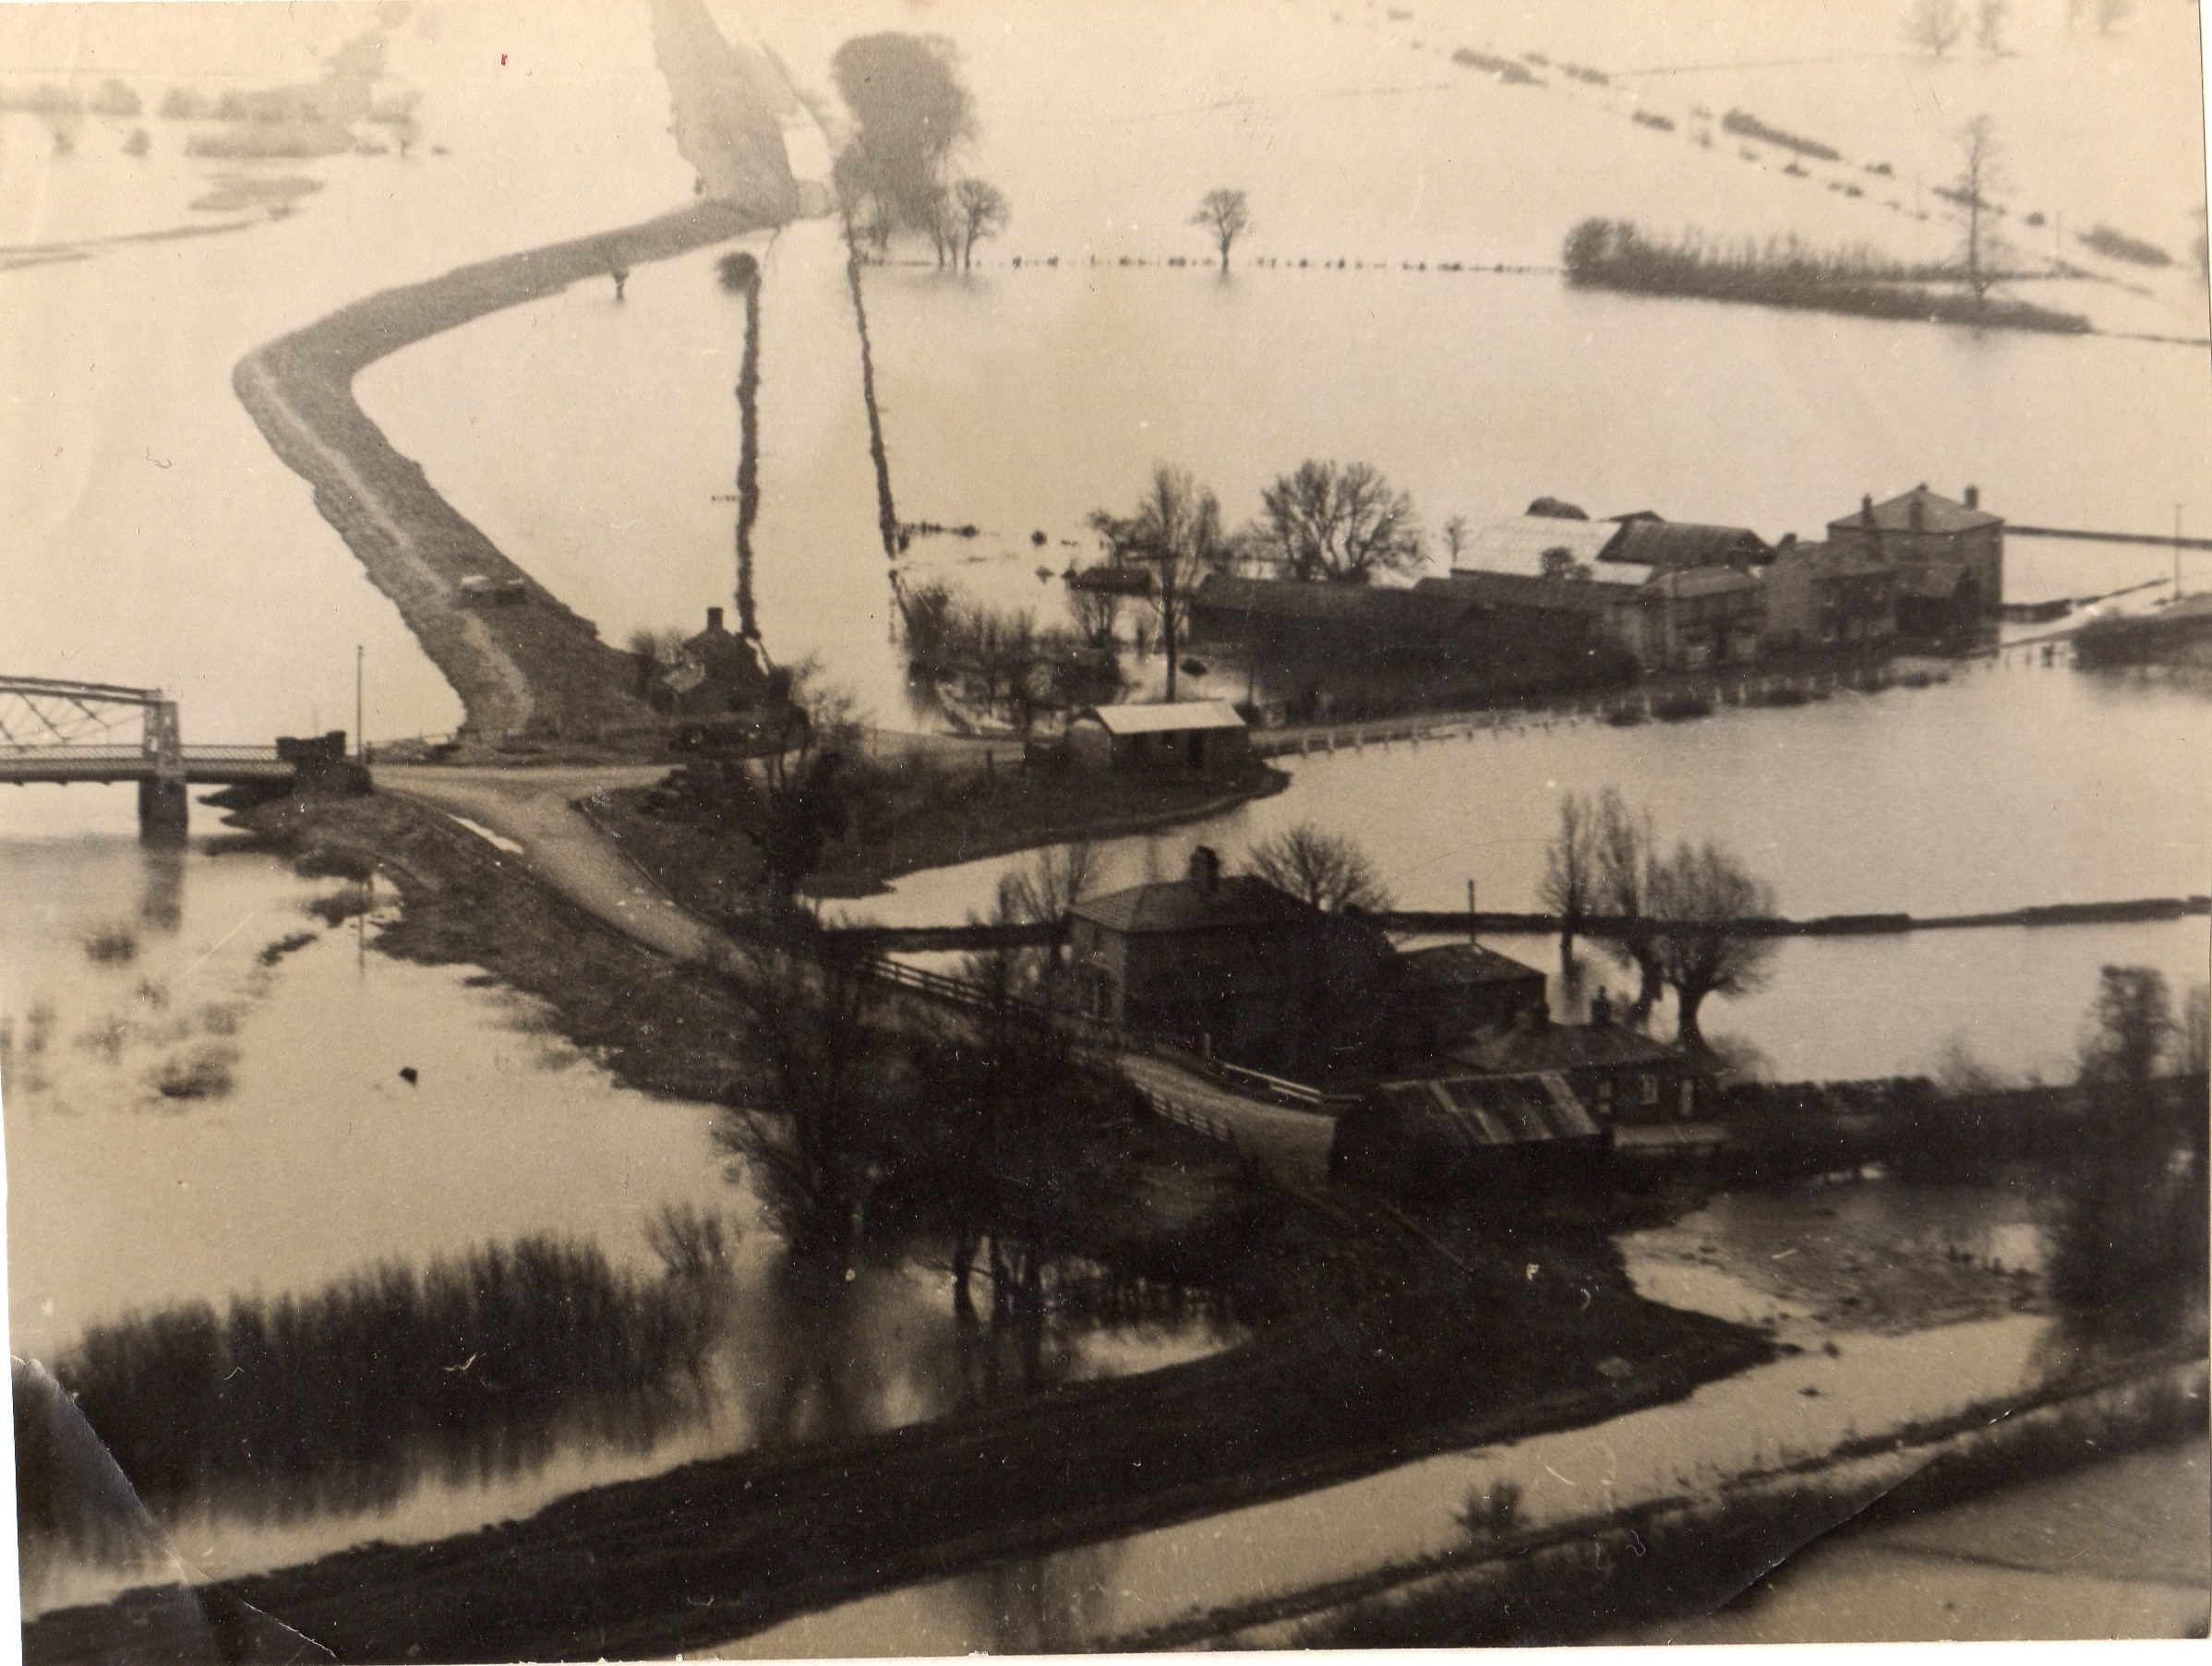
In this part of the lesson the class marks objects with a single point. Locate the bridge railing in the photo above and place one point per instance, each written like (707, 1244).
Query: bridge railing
(73, 754)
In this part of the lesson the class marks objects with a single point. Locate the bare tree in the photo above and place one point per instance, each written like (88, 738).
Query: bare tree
(1623, 847)
(1935, 26)
(1455, 537)
(1177, 532)
(1979, 175)
(1341, 523)
(1696, 896)
(1096, 615)
(1323, 870)
(1571, 869)
(818, 1092)
(1226, 216)
(980, 210)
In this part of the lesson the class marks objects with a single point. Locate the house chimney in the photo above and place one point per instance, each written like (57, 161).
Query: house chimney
(1601, 1007)
(1920, 505)
(1206, 869)
(1866, 508)
(713, 620)
(1974, 496)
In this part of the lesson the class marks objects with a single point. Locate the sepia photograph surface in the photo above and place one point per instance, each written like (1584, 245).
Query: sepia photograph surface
(902, 827)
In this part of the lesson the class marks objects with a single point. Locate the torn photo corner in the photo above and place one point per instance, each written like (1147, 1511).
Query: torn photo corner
(864, 828)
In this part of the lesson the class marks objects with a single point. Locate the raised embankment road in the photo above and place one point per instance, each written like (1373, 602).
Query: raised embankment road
(537, 666)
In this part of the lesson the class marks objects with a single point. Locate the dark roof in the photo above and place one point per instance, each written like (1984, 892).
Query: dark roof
(1491, 1110)
(1462, 966)
(1319, 599)
(1239, 901)
(1515, 590)
(1706, 581)
(1559, 1047)
(1686, 543)
(1834, 560)
(1937, 514)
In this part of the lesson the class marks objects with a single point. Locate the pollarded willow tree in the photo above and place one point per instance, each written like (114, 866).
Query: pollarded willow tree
(1700, 900)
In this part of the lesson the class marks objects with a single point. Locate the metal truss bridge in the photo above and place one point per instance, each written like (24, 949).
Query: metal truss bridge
(68, 732)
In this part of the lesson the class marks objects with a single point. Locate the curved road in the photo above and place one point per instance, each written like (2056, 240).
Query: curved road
(532, 812)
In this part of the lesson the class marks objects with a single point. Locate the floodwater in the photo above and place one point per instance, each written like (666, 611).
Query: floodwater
(2011, 785)
(594, 441)
(1111, 1596)
(309, 1157)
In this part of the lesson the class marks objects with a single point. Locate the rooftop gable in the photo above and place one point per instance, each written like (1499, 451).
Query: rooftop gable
(1679, 544)
(1180, 717)
(1519, 543)
(1937, 514)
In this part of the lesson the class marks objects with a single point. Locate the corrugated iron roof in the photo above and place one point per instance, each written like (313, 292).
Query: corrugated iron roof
(1513, 590)
(1460, 966)
(1179, 717)
(1518, 544)
(1560, 1047)
(1493, 1110)
(1679, 544)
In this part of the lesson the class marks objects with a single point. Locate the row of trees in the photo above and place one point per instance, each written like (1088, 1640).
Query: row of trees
(1016, 667)
(1935, 26)
(1325, 521)
(911, 114)
(1669, 912)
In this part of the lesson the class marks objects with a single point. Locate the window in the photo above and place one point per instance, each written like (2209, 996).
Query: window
(1648, 1086)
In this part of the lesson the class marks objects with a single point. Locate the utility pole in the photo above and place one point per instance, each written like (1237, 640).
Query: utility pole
(1470, 940)
(2177, 552)
(360, 736)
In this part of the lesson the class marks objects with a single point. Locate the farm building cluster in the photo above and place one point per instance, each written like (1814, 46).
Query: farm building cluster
(1635, 595)
(1442, 1064)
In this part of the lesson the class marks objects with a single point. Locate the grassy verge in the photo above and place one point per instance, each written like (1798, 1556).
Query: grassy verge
(919, 814)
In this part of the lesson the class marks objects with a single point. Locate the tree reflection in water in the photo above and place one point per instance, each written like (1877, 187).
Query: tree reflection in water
(344, 1400)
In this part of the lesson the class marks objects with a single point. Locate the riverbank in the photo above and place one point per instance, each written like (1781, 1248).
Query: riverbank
(532, 667)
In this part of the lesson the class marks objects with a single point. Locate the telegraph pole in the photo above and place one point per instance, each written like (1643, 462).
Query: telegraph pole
(2177, 552)
(360, 738)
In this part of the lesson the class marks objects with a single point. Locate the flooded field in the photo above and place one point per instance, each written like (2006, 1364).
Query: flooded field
(214, 1094)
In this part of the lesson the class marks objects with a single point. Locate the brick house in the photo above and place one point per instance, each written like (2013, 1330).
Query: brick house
(1949, 555)
(1231, 967)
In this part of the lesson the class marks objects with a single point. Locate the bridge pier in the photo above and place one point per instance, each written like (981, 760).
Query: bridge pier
(164, 810)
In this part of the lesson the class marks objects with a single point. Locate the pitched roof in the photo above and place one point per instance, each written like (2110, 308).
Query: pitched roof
(1706, 581)
(1937, 514)
(1519, 543)
(1414, 611)
(1515, 590)
(1462, 966)
(1492, 1110)
(1188, 905)
(1834, 560)
(1177, 718)
(1559, 1047)
(1675, 544)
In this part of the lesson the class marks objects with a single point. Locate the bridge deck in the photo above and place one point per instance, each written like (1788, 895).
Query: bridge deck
(204, 766)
